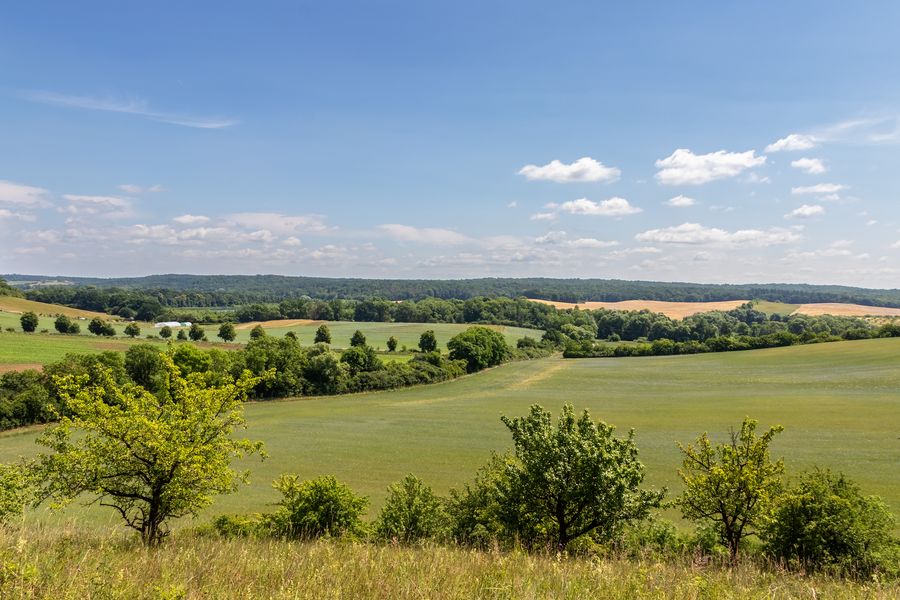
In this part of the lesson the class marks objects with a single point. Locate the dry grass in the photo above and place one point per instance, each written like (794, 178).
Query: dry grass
(6, 368)
(846, 310)
(674, 310)
(20, 305)
(68, 563)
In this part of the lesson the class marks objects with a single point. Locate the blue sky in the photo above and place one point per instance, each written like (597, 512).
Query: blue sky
(712, 142)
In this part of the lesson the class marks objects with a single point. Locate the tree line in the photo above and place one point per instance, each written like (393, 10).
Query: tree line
(154, 455)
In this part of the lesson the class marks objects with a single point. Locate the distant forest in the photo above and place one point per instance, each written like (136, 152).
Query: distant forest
(178, 291)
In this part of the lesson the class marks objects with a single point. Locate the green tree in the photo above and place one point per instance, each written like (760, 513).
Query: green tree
(824, 521)
(392, 344)
(181, 335)
(227, 332)
(427, 341)
(358, 339)
(146, 366)
(151, 458)
(132, 330)
(411, 512)
(29, 322)
(98, 326)
(165, 332)
(361, 358)
(572, 479)
(196, 332)
(64, 324)
(257, 332)
(730, 485)
(480, 347)
(322, 506)
(323, 335)
(15, 491)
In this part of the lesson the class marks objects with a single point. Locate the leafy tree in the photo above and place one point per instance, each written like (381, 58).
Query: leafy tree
(64, 324)
(321, 506)
(427, 341)
(392, 344)
(358, 339)
(325, 373)
(227, 332)
(132, 330)
(29, 322)
(572, 479)
(411, 512)
(824, 521)
(480, 347)
(191, 359)
(730, 485)
(151, 458)
(323, 335)
(181, 335)
(146, 366)
(98, 326)
(165, 332)
(196, 332)
(15, 491)
(257, 332)
(361, 358)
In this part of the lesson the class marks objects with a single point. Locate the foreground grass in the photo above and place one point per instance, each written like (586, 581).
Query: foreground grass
(68, 563)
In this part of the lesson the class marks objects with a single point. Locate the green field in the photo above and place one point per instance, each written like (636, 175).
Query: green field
(775, 308)
(839, 404)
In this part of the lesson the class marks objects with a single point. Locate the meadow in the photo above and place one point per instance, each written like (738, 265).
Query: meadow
(838, 402)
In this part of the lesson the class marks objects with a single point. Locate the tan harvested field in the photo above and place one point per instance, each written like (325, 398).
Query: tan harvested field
(846, 310)
(6, 368)
(21, 305)
(674, 310)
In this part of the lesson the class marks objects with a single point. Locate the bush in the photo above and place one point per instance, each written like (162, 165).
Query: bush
(480, 347)
(323, 335)
(196, 332)
(132, 330)
(315, 508)
(227, 332)
(358, 339)
(238, 526)
(64, 324)
(411, 512)
(29, 322)
(392, 344)
(825, 523)
(428, 341)
(14, 492)
(165, 332)
(98, 326)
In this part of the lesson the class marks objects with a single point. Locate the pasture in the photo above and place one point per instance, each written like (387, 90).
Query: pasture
(838, 402)
(17, 306)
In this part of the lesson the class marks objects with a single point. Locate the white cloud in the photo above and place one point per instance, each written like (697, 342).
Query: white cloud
(130, 188)
(895, 244)
(130, 106)
(512, 204)
(590, 243)
(696, 234)
(424, 235)
(819, 188)
(812, 166)
(18, 194)
(278, 223)
(806, 211)
(684, 167)
(795, 141)
(107, 206)
(551, 237)
(543, 216)
(190, 219)
(614, 207)
(681, 201)
(584, 169)
(292, 241)
(10, 215)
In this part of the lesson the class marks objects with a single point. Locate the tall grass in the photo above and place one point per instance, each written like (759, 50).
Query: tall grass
(70, 563)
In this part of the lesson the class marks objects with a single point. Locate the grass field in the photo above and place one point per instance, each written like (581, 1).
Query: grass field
(838, 402)
(12, 304)
(775, 308)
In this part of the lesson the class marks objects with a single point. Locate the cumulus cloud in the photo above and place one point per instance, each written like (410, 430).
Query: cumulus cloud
(543, 216)
(696, 234)
(794, 141)
(6, 214)
(17, 194)
(590, 243)
(107, 206)
(806, 211)
(584, 169)
(190, 219)
(681, 201)
(613, 207)
(278, 223)
(812, 166)
(819, 188)
(684, 167)
(423, 235)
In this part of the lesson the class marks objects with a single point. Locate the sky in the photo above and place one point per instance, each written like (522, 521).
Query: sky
(694, 141)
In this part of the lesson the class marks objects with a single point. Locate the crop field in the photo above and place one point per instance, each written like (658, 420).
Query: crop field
(11, 304)
(838, 403)
(674, 310)
(846, 310)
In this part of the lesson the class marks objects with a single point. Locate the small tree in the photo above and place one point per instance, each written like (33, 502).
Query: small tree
(29, 322)
(196, 332)
(63, 324)
(151, 458)
(323, 335)
(358, 339)
(411, 512)
(165, 332)
(227, 332)
(392, 344)
(427, 341)
(15, 491)
(730, 485)
(361, 358)
(572, 479)
(257, 332)
(480, 347)
(322, 506)
(98, 326)
(132, 330)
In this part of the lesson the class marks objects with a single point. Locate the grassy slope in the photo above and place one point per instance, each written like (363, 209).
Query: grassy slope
(778, 308)
(838, 402)
(54, 564)
(20, 305)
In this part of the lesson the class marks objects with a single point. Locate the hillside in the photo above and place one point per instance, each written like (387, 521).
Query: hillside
(12, 304)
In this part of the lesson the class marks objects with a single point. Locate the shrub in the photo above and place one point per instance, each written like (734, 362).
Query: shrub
(29, 322)
(323, 335)
(428, 341)
(14, 491)
(236, 526)
(227, 332)
(196, 332)
(132, 330)
(392, 344)
(165, 332)
(411, 512)
(315, 508)
(64, 324)
(98, 326)
(257, 332)
(480, 347)
(358, 339)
